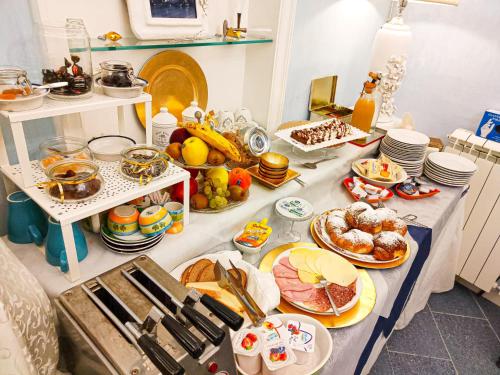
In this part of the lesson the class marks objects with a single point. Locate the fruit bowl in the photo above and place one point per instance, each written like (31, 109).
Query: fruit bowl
(181, 163)
(208, 210)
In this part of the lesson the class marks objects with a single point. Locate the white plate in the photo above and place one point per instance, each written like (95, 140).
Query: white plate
(447, 174)
(403, 146)
(401, 176)
(109, 147)
(407, 136)
(134, 251)
(452, 162)
(446, 177)
(321, 232)
(24, 103)
(300, 305)
(438, 168)
(123, 92)
(285, 135)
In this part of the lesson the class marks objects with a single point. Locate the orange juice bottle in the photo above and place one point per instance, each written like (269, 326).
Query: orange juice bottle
(364, 109)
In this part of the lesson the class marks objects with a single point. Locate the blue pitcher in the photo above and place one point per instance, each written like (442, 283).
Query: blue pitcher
(26, 221)
(55, 252)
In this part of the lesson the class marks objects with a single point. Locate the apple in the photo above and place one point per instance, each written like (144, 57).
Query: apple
(193, 171)
(179, 135)
(177, 193)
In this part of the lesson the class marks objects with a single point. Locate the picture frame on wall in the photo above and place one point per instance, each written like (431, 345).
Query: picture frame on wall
(168, 19)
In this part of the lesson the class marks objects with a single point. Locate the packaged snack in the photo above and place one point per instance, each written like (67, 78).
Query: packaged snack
(247, 345)
(277, 357)
(272, 331)
(302, 338)
(255, 234)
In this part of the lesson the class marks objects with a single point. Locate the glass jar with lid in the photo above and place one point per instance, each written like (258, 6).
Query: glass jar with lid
(73, 181)
(67, 58)
(14, 81)
(116, 73)
(143, 163)
(61, 148)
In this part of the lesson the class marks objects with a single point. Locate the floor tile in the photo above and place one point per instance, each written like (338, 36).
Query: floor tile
(472, 344)
(383, 364)
(459, 301)
(492, 313)
(406, 364)
(420, 337)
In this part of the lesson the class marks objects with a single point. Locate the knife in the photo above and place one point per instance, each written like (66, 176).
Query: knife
(208, 328)
(127, 322)
(232, 284)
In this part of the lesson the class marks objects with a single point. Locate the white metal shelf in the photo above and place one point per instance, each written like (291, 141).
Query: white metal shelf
(51, 108)
(117, 190)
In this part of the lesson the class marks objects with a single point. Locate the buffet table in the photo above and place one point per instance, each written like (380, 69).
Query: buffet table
(401, 292)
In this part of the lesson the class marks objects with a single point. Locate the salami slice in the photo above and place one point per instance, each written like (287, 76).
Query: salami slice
(319, 302)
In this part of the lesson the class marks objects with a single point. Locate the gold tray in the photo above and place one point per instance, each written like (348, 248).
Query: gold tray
(208, 210)
(290, 175)
(175, 79)
(353, 316)
(358, 263)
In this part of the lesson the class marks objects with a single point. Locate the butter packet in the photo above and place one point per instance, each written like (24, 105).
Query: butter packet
(272, 331)
(302, 339)
(277, 357)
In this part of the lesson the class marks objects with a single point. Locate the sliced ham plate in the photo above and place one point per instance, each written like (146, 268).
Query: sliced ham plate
(304, 296)
(285, 262)
(282, 271)
(294, 285)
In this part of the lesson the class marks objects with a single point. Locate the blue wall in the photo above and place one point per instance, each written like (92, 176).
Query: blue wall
(18, 47)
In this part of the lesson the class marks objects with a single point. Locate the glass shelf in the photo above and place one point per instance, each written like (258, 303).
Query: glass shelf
(134, 44)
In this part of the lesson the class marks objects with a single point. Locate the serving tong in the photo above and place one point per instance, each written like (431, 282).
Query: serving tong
(234, 285)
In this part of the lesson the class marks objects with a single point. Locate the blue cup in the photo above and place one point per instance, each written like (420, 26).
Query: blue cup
(55, 252)
(26, 222)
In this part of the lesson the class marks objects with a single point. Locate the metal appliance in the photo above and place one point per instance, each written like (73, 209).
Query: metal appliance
(137, 319)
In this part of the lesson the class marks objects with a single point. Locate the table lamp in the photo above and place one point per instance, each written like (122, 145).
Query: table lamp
(390, 50)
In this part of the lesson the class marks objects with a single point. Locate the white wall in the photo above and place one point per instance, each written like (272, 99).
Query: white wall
(452, 72)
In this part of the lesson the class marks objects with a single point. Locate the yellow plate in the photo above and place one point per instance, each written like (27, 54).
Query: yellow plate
(358, 263)
(175, 79)
(353, 316)
(290, 175)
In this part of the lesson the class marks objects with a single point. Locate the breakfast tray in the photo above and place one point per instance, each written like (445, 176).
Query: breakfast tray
(285, 134)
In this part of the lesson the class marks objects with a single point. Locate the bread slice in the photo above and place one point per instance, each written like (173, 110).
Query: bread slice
(185, 275)
(212, 289)
(207, 274)
(198, 269)
(243, 274)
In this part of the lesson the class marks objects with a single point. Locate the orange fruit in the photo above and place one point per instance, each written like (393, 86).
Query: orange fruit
(240, 177)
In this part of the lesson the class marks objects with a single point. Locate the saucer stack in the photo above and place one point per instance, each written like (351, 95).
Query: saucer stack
(449, 169)
(273, 167)
(406, 148)
(131, 244)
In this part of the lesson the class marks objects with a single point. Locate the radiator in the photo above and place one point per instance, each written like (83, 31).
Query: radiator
(479, 261)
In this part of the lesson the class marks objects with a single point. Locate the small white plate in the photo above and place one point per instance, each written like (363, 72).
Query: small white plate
(24, 103)
(407, 136)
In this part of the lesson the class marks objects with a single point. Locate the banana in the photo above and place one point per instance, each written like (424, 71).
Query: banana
(214, 139)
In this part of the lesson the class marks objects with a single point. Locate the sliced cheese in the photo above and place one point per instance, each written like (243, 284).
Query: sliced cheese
(308, 277)
(336, 269)
(297, 258)
(311, 259)
(212, 289)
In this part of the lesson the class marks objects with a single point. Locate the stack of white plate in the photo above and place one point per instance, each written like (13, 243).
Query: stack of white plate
(132, 244)
(449, 169)
(406, 148)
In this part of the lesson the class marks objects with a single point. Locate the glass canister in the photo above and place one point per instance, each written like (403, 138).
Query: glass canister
(143, 163)
(116, 73)
(62, 148)
(73, 181)
(14, 81)
(67, 58)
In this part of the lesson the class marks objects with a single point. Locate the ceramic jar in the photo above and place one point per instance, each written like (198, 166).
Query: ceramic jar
(164, 123)
(188, 115)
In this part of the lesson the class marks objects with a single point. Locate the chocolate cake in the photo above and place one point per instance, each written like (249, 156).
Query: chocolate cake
(327, 131)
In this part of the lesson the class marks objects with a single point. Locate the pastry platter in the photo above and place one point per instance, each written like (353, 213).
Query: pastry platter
(357, 312)
(365, 261)
(175, 79)
(286, 135)
(400, 177)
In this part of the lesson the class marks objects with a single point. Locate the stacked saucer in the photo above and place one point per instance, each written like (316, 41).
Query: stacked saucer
(449, 169)
(131, 244)
(406, 148)
(273, 167)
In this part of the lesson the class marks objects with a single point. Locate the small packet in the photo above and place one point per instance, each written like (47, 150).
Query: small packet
(272, 331)
(247, 345)
(255, 234)
(277, 357)
(302, 339)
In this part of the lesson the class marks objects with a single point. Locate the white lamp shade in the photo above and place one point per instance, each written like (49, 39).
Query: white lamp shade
(392, 39)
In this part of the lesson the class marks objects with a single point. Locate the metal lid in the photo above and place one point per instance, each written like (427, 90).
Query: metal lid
(258, 141)
(322, 92)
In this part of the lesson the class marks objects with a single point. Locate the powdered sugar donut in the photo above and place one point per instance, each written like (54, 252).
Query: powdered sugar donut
(356, 241)
(388, 245)
(368, 221)
(353, 210)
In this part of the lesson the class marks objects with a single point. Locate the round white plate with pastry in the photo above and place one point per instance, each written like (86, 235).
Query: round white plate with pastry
(297, 272)
(363, 233)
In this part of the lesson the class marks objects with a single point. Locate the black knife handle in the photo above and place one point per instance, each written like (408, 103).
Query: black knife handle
(160, 358)
(183, 336)
(209, 329)
(224, 313)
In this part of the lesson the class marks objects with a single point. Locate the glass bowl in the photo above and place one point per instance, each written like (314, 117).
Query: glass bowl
(143, 163)
(73, 181)
(61, 148)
